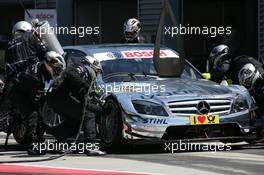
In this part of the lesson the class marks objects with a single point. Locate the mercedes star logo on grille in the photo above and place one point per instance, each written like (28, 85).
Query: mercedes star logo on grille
(203, 107)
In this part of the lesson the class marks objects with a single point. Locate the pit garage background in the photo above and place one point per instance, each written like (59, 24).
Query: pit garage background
(109, 15)
(11, 12)
(242, 15)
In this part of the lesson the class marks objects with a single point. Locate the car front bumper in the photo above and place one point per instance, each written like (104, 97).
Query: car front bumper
(236, 125)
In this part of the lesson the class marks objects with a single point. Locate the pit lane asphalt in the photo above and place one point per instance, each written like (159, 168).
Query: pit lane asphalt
(242, 159)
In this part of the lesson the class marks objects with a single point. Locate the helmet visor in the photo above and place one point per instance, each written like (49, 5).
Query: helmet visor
(130, 35)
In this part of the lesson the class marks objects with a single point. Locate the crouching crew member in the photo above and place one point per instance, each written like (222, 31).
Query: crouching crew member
(67, 97)
(243, 70)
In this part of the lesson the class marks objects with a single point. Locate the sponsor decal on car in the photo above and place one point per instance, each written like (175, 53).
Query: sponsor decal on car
(104, 56)
(204, 119)
(156, 121)
(131, 54)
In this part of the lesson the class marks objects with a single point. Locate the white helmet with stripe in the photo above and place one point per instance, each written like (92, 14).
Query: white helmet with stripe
(132, 28)
(22, 26)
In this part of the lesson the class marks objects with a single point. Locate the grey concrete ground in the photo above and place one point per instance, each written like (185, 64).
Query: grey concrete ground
(241, 159)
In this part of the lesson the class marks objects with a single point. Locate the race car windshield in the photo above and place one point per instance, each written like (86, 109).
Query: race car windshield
(122, 70)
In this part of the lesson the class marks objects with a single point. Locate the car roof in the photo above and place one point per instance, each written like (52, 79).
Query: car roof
(99, 48)
(118, 47)
(112, 45)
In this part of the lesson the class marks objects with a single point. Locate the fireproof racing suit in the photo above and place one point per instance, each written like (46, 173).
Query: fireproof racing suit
(22, 53)
(256, 90)
(67, 99)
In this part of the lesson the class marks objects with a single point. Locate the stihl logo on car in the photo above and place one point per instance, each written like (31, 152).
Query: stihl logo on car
(147, 54)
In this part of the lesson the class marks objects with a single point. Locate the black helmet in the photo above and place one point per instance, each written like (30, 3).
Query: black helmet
(220, 58)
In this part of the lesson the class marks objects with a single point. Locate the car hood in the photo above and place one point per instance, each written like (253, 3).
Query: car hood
(171, 87)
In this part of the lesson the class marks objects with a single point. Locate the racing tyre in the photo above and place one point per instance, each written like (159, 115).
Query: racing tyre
(110, 126)
(20, 132)
(55, 124)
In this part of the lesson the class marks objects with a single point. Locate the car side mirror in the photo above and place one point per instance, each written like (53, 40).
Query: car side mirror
(206, 76)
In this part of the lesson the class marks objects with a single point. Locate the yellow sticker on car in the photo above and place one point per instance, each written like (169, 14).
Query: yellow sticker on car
(204, 119)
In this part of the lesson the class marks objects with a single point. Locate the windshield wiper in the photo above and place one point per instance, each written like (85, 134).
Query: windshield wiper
(145, 74)
(132, 76)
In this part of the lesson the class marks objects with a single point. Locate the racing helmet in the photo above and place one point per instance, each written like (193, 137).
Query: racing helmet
(220, 58)
(22, 26)
(248, 75)
(55, 63)
(132, 28)
(93, 65)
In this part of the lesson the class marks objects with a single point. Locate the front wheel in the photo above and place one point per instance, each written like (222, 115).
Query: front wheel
(20, 132)
(111, 125)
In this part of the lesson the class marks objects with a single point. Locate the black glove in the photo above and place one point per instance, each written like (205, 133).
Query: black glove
(94, 108)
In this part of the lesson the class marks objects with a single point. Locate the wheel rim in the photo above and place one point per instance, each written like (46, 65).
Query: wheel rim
(50, 117)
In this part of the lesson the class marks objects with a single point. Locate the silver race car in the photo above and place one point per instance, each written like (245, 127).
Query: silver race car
(146, 108)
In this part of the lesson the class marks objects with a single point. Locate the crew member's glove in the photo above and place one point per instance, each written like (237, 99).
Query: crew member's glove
(94, 108)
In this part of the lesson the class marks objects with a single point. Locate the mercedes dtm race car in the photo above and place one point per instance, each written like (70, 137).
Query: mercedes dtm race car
(146, 107)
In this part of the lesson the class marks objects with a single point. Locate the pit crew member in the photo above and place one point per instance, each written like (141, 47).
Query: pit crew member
(68, 99)
(23, 51)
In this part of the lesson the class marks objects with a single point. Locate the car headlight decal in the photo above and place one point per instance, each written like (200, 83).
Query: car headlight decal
(149, 108)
